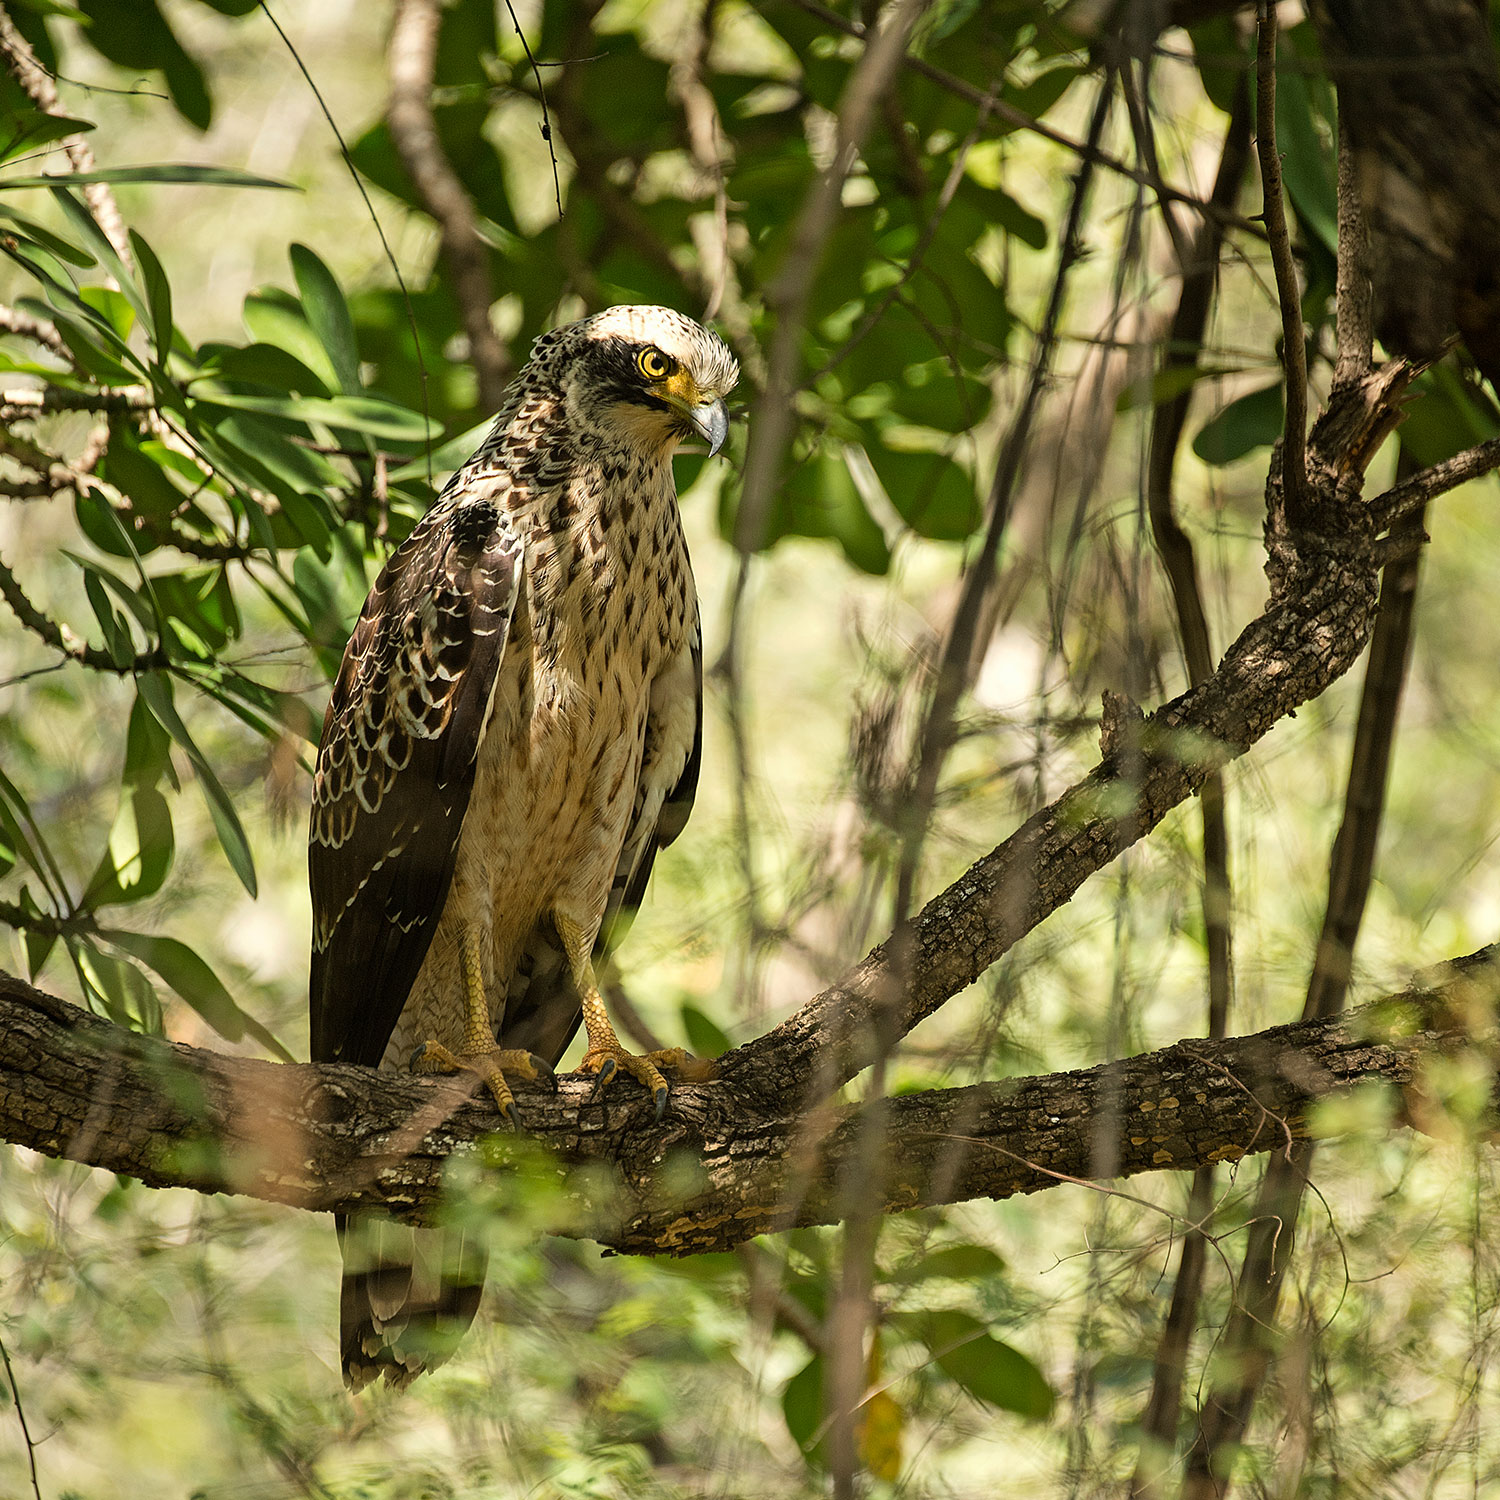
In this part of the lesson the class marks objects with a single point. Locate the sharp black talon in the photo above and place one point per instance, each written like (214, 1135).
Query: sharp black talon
(545, 1068)
(607, 1070)
(416, 1057)
(661, 1102)
(512, 1114)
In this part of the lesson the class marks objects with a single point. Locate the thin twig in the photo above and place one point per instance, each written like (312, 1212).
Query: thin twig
(1293, 340)
(385, 244)
(1184, 341)
(706, 137)
(953, 671)
(541, 94)
(64, 639)
(787, 296)
(1012, 118)
(933, 223)
(412, 60)
(15, 1391)
(41, 88)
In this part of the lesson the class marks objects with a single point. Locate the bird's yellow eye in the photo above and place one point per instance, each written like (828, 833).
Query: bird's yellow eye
(654, 365)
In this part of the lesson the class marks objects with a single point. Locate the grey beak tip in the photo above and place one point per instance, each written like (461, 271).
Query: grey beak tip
(713, 423)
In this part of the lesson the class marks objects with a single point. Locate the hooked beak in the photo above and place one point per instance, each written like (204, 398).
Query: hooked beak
(710, 419)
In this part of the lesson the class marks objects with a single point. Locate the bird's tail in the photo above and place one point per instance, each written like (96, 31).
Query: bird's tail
(407, 1298)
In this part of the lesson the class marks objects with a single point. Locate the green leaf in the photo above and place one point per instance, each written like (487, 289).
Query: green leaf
(140, 851)
(50, 241)
(990, 1371)
(85, 226)
(802, 1407)
(328, 315)
(933, 495)
(115, 988)
(277, 319)
(367, 414)
(188, 974)
(26, 129)
(175, 172)
(1446, 418)
(156, 691)
(1253, 421)
(113, 307)
(158, 295)
(138, 476)
(704, 1037)
(819, 499)
(1307, 160)
(953, 1262)
(115, 628)
(266, 365)
(930, 395)
(1168, 383)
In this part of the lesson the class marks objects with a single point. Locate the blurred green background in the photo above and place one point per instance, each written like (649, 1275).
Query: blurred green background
(169, 1344)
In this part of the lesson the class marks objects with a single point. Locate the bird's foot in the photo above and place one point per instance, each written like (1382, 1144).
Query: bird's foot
(609, 1060)
(491, 1065)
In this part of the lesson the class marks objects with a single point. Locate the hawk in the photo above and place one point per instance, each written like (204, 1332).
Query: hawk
(513, 735)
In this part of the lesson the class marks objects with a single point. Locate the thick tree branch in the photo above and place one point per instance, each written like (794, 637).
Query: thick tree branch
(1419, 103)
(715, 1172)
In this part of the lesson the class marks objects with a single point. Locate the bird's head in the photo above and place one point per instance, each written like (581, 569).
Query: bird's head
(647, 377)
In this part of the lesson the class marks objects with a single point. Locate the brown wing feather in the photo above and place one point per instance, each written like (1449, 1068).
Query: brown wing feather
(396, 767)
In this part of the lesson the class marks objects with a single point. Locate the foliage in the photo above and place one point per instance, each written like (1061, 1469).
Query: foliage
(228, 495)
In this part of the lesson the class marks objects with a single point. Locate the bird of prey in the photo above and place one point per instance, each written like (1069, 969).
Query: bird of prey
(513, 735)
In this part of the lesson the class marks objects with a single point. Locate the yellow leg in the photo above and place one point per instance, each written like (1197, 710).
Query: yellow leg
(606, 1055)
(479, 1054)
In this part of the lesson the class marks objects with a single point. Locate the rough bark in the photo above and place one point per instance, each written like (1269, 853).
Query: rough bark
(718, 1169)
(1419, 95)
(769, 1144)
(1316, 623)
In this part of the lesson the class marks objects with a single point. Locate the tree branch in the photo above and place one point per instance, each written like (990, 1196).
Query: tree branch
(41, 89)
(1323, 594)
(334, 1138)
(19, 404)
(1011, 118)
(1273, 211)
(412, 59)
(64, 639)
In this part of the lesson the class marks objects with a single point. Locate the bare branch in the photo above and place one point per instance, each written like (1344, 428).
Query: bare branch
(412, 57)
(1412, 494)
(64, 639)
(39, 330)
(787, 296)
(1293, 339)
(1323, 597)
(17, 405)
(40, 87)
